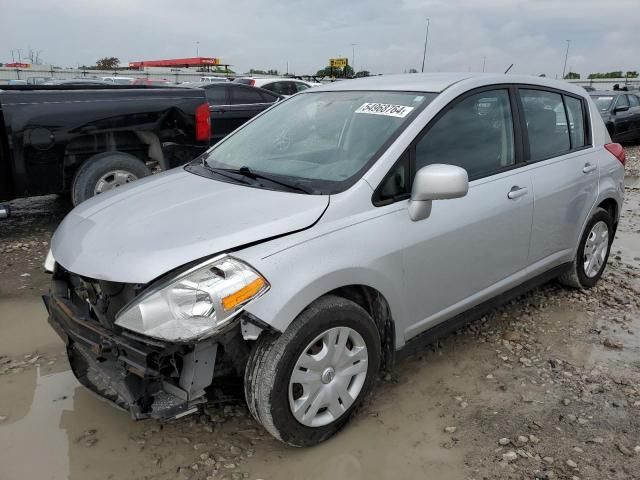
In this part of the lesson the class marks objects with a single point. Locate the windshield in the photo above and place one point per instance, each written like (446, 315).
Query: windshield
(603, 102)
(320, 140)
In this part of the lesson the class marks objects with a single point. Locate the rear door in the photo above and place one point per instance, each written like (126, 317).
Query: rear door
(246, 103)
(564, 169)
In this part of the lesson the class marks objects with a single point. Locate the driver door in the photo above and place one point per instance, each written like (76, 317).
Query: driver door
(474, 247)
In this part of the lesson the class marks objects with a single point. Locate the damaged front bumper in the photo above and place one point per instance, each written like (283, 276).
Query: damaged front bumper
(148, 378)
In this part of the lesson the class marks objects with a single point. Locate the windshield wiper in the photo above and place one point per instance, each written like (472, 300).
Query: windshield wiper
(247, 172)
(221, 171)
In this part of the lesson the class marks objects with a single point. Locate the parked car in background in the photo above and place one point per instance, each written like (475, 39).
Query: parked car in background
(74, 82)
(17, 82)
(85, 140)
(232, 104)
(119, 80)
(213, 79)
(151, 82)
(39, 80)
(339, 227)
(281, 86)
(620, 111)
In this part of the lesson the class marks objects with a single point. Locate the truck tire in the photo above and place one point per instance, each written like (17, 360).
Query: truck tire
(592, 253)
(301, 405)
(106, 171)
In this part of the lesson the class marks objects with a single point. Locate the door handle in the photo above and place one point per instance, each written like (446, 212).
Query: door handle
(588, 168)
(517, 192)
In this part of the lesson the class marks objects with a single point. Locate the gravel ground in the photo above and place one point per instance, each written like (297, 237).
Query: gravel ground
(545, 387)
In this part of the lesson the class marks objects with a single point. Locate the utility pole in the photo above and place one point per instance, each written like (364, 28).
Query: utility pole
(426, 40)
(353, 57)
(484, 63)
(566, 55)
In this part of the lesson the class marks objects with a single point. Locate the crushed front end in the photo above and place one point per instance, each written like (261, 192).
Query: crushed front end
(147, 377)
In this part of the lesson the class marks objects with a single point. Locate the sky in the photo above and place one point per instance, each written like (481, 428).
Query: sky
(389, 34)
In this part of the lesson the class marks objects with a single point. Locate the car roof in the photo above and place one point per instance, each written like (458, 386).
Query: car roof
(438, 82)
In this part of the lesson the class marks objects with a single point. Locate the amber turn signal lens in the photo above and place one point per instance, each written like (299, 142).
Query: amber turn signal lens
(245, 293)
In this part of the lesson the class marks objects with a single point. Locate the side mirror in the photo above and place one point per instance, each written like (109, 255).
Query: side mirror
(621, 108)
(436, 182)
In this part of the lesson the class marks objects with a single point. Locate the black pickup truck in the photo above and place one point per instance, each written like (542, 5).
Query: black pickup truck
(82, 141)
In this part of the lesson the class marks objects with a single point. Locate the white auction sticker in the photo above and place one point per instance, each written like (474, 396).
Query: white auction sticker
(385, 109)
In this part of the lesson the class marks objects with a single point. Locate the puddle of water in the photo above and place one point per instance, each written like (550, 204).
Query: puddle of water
(588, 353)
(632, 181)
(24, 327)
(401, 438)
(48, 414)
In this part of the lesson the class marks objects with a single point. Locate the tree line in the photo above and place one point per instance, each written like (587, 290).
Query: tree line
(596, 76)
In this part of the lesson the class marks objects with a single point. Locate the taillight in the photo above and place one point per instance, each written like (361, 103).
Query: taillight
(203, 123)
(252, 83)
(617, 151)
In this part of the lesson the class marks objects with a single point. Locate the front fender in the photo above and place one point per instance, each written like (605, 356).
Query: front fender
(296, 283)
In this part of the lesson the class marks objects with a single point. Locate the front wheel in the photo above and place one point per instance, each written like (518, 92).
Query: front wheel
(104, 172)
(303, 385)
(593, 252)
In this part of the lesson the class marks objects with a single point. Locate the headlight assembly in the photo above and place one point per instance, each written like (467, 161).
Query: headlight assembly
(197, 303)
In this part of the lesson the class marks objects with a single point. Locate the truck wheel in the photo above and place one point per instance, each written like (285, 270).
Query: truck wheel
(304, 384)
(593, 252)
(104, 172)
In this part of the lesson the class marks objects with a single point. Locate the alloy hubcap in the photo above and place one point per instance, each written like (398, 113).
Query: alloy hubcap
(328, 376)
(113, 179)
(595, 249)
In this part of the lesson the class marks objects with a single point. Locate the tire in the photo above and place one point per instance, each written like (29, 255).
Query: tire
(268, 390)
(97, 168)
(577, 276)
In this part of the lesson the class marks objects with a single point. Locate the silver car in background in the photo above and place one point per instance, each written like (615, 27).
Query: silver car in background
(333, 231)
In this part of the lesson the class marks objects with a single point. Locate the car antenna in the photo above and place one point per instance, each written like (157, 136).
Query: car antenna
(507, 70)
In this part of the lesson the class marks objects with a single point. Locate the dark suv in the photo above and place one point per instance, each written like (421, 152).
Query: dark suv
(620, 112)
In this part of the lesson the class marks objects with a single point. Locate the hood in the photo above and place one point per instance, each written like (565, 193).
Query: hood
(143, 230)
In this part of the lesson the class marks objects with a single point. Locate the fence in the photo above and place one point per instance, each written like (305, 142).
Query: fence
(181, 76)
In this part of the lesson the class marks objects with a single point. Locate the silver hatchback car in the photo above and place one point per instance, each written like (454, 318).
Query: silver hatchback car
(333, 231)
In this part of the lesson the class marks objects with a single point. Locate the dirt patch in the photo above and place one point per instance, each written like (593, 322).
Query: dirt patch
(545, 387)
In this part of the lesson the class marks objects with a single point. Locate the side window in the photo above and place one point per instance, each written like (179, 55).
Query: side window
(301, 86)
(476, 134)
(275, 87)
(243, 96)
(633, 101)
(268, 97)
(216, 95)
(395, 185)
(622, 101)
(576, 121)
(546, 124)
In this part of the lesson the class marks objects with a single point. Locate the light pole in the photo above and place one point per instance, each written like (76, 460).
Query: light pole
(566, 55)
(484, 63)
(353, 57)
(426, 39)
(197, 49)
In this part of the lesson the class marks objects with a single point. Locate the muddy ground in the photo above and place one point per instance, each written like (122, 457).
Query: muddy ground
(545, 387)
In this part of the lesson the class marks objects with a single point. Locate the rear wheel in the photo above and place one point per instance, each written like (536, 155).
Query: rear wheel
(593, 252)
(305, 384)
(104, 172)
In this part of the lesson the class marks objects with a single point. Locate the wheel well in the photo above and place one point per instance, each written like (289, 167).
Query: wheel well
(81, 149)
(611, 206)
(377, 306)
